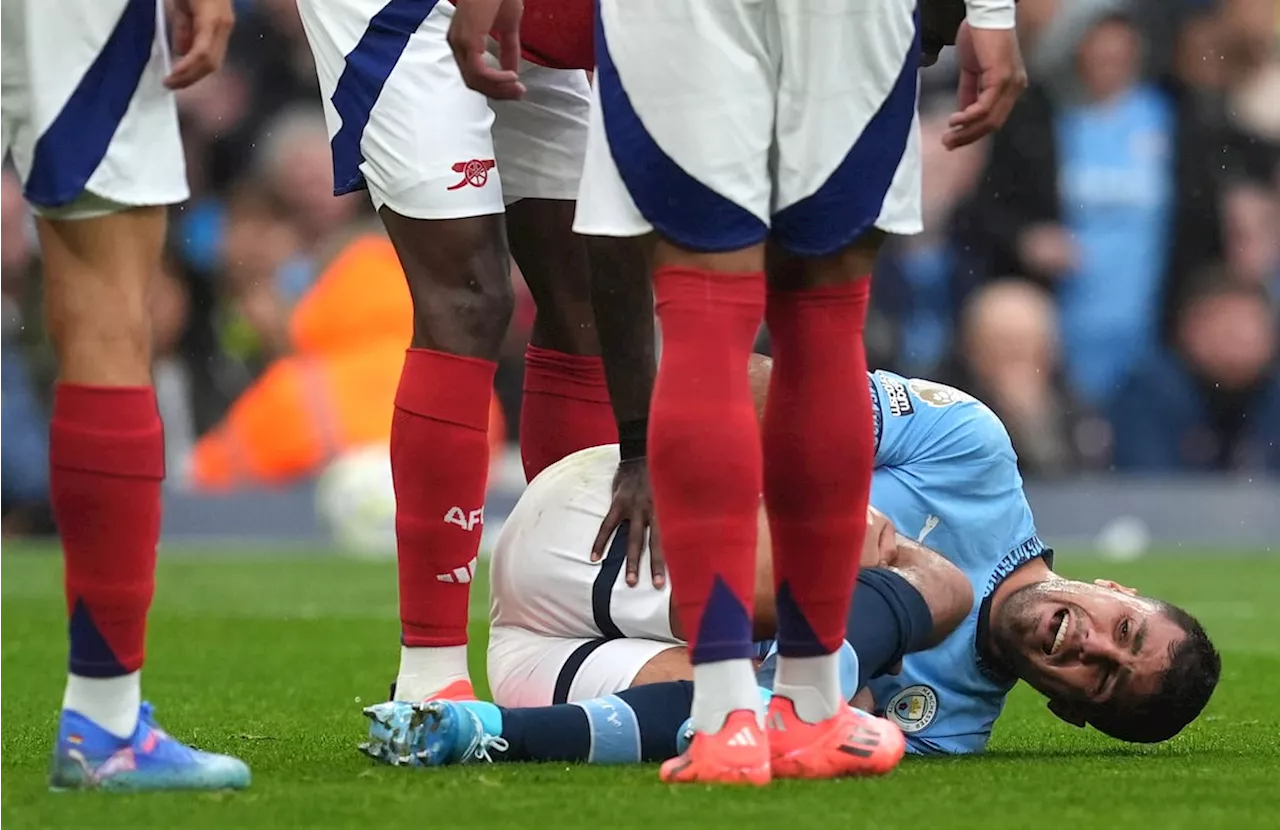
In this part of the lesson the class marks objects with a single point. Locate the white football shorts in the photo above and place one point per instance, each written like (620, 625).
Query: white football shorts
(720, 122)
(404, 125)
(88, 120)
(564, 628)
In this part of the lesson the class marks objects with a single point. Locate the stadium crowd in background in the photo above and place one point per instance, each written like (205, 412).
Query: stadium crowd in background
(1105, 272)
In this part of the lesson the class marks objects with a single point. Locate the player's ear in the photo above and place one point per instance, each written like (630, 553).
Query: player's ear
(1067, 712)
(1116, 586)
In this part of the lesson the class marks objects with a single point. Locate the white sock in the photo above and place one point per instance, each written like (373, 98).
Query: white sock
(812, 684)
(425, 671)
(723, 687)
(110, 702)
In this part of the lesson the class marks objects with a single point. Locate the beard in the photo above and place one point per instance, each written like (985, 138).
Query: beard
(1013, 623)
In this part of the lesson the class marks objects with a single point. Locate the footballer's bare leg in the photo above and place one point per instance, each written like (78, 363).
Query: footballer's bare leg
(565, 406)
(459, 278)
(106, 466)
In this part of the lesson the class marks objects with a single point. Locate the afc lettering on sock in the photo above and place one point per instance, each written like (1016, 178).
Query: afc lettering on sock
(466, 519)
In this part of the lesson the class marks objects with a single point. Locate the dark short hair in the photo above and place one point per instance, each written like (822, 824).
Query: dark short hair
(1185, 688)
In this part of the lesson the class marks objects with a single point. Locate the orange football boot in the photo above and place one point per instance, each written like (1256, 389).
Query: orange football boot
(457, 690)
(851, 743)
(737, 754)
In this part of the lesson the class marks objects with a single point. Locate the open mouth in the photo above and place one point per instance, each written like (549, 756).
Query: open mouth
(1059, 624)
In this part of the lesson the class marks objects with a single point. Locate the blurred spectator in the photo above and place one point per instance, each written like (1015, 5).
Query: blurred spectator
(1251, 218)
(1147, 150)
(1103, 187)
(170, 314)
(24, 425)
(1008, 356)
(1214, 402)
(1034, 16)
(921, 280)
(333, 390)
(1250, 34)
(276, 223)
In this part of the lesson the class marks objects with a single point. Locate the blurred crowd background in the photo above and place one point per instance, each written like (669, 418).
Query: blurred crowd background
(1105, 272)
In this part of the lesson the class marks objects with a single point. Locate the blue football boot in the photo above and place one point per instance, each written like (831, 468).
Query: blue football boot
(89, 757)
(394, 727)
(434, 733)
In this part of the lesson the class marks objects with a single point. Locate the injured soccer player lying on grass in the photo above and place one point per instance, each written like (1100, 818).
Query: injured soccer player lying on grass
(585, 667)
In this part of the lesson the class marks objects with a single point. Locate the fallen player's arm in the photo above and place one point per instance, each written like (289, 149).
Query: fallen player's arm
(942, 585)
(910, 604)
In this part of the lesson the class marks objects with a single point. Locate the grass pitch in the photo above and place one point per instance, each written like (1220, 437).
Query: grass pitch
(269, 657)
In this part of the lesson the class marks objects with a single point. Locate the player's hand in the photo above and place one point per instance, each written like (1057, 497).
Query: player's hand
(201, 29)
(880, 545)
(633, 502)
(991, 79)
(474, 21)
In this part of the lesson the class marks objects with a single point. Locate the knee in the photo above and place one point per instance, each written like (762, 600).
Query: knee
(462, 304)
(849, 264)
(101, 332)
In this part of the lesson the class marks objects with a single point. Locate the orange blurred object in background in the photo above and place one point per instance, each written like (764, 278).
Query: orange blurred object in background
(335, 392)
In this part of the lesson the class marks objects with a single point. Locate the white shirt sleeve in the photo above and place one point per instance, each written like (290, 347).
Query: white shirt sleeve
(991, 14)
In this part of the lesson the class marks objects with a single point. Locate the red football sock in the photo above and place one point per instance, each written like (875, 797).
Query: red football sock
(565, 408)
(704, 453)
(106, 458)
(440, 465)
(818, 440)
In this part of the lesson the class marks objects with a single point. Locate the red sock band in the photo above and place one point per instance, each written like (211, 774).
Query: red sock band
(704, 453)
(565, 408)
(818, 440)
(106, 457)
(440, 465)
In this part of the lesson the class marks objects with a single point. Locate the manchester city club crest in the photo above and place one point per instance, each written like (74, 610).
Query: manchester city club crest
(913, 708)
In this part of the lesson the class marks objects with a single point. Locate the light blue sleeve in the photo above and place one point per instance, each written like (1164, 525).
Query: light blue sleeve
(970, 744)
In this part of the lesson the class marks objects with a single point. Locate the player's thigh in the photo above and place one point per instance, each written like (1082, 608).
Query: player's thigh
(523, 666)
(847, 135)
(95, 142)
(527, 669)
(91, 127)
(459, 277)
(97, 279)
(541, 577)
(401, 120)
(688, 133)
(541, 139)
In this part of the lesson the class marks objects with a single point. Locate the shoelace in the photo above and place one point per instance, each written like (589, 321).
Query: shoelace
(479, 748)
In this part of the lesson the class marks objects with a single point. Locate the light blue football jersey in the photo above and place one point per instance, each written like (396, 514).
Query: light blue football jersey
(947, 475)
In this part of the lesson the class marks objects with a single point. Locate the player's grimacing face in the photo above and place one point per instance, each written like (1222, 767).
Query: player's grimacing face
(1093, 644)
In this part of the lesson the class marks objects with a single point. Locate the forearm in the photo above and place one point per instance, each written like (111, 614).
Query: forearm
(941, 585)
(622, 300)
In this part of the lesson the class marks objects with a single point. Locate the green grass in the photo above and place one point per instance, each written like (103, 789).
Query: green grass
(268, 657)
